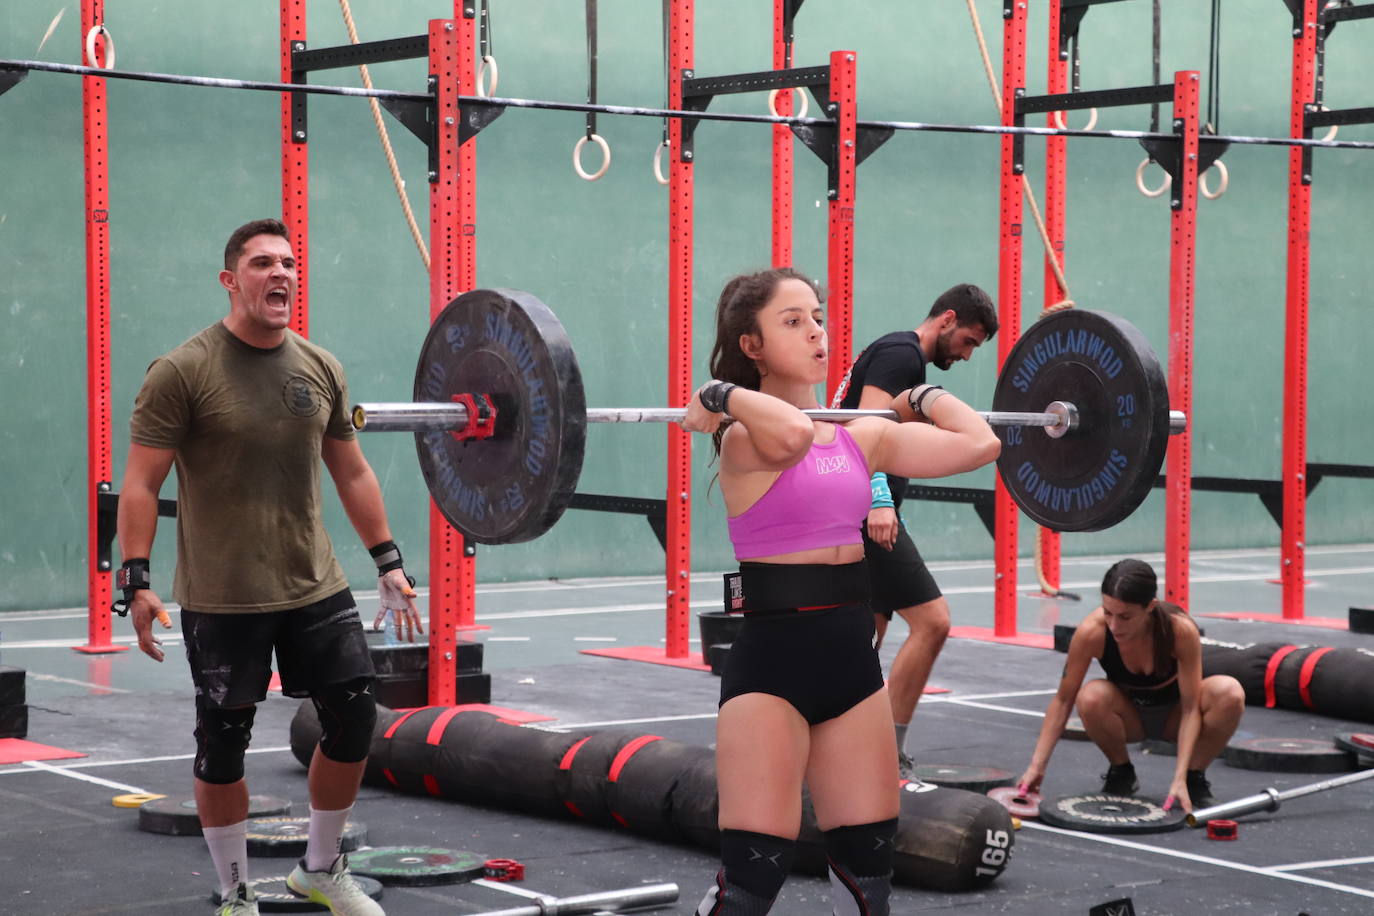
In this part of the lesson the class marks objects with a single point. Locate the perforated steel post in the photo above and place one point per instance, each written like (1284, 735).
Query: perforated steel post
(1182, 244)
(782, 143)
(99, 466)
(1008, 517)
(840, 260)
(678, 558)
(1056, 169)
(295, 163)
(1293, 539)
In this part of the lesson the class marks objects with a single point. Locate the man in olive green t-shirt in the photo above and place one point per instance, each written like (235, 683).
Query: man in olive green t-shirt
(246, 410)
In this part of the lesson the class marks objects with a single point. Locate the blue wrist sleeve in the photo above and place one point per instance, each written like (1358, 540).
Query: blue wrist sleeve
(882, 495)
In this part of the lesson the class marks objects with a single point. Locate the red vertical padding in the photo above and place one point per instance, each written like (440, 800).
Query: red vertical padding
(452, 570)
(1009, 305)
(1182, 244)
(99, 465)
(295, 165)
(782, 149)
(678, 561)
(840, 260)
(1056, 168)
(1294, 537)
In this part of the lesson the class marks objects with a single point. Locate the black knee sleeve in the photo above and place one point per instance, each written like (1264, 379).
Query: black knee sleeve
(755, 865)
(347, 712)
(222, 735)
(860, 859)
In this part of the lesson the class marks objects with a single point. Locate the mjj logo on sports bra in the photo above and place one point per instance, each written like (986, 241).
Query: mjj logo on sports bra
(832, 464)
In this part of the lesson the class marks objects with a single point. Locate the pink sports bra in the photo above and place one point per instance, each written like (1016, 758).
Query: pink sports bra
(821, 501)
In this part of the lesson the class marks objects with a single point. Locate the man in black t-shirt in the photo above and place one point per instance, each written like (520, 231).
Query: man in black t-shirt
(961, 319)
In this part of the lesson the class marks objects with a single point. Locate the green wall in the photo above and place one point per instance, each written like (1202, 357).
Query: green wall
(187, 165)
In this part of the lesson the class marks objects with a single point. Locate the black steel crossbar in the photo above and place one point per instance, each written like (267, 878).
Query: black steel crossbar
(364, 52)
(1346, 13)
(1327, 117)
(1096, 98)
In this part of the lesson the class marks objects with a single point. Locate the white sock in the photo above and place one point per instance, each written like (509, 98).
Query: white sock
(326, 835)
(901, 728)
(229, 851)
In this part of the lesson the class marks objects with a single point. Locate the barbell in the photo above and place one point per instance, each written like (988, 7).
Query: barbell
(500, 418)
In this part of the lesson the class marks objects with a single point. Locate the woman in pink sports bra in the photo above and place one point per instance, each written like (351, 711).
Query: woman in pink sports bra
(802, 696)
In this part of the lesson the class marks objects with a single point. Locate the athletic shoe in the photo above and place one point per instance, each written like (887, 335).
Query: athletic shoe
(906, 767)
(1199, 789)
(334, 888)
(1120, 780)
(243, 903)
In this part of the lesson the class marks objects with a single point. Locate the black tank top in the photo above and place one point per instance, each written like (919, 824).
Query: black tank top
(1143, 689)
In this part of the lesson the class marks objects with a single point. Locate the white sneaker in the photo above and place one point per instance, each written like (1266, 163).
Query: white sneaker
(334, 888)
(242, 903)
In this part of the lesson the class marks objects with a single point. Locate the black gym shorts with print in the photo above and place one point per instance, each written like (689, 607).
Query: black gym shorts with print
(898, 578)
(317, 645)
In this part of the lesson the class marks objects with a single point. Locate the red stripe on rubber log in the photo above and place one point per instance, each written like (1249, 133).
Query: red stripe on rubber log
(1309, 667)
(566, 762)
(629, 751)
(390, 778)
(397, 724)
(431, 785)
(436, 731)
(1272, 669)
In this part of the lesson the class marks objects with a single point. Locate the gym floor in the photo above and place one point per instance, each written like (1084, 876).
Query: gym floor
(68, 850)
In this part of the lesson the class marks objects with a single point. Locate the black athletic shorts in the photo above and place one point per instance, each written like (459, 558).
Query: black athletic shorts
(899, 576)
(821, 661)
(316, 645)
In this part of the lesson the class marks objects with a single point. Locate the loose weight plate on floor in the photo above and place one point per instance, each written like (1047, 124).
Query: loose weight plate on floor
(1361, 744)
(176, 814)
(513, 486)
(1109, 814)
(417, 866)
(279, 837)
(1096, 475)
(959, 776)
(275, 896)
(1288, 755)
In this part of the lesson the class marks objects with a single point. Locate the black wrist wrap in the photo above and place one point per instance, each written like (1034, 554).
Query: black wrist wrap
(387, 556)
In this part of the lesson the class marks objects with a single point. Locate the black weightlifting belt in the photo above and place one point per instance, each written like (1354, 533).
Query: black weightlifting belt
(773, 587)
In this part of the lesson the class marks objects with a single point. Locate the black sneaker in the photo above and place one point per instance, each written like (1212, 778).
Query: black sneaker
(1120, 780)
(1199, 789)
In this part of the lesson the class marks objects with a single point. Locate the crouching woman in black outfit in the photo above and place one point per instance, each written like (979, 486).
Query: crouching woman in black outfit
(1151, 653)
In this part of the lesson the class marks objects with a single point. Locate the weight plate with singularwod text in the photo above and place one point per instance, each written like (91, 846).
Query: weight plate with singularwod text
(1100, 813)
(417, 866)
(279, 837)
(275, 896)
(1093, 476)
(513, 486)
(1288, 755)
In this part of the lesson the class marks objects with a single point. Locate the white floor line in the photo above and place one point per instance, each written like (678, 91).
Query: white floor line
(63, 771)
(1204, 860)
(596, 639)
(1039, 714)
(1328, 863)
(959, 698)
(37, 676)
(507, 639)
(91, 764)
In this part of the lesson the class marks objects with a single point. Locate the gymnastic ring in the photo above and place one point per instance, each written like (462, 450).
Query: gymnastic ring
(1140, 180)
(1058, 119)
(109, 48)
(577, 157)
(1221, 189)
(658, 161)
(773, 102)
(487, 91)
